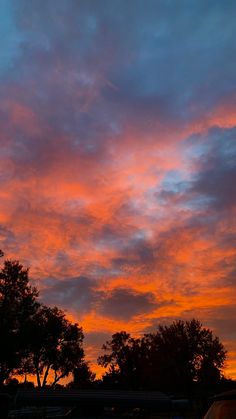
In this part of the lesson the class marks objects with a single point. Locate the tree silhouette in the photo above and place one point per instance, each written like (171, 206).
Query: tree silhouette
(18, 304)
(173, 359)
(83, 376)
(184, 352)
(56, 347)
(35, 339)
(124, 358)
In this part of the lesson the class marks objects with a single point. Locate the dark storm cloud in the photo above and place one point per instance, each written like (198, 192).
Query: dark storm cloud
(125, 303)
(230, 277)
(135, 252)
(7, 237)
(217, 176)
(213, 183)
(73, 54)
(40, 138)
(75, 294)
(80, 295)
(222, 319)
(113, 235)
(96, 339)
(84, 71)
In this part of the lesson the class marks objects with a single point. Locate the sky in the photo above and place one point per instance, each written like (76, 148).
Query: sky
(117, 160)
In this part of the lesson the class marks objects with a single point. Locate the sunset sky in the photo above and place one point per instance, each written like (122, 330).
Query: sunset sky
(118, 160)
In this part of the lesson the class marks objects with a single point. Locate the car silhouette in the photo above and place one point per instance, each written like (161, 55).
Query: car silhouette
(223, 407)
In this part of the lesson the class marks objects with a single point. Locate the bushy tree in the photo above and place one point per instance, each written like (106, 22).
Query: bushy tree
(123, 358)
(173, 358)
(18, 303)
(56, 348)
(35, 339)
(83, 377)
(184, 353)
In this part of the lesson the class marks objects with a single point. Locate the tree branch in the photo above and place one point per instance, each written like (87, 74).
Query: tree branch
(38, 377)
(46, 375)
(57, 378)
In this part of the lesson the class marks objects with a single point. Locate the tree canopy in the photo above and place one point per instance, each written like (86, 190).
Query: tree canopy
(18, 303)
(56, 347)
(122, 354)
(174, 357)
(35, 339)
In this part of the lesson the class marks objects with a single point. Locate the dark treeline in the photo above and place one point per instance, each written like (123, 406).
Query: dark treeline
(36, 339)
(182, 357)
(175, 358)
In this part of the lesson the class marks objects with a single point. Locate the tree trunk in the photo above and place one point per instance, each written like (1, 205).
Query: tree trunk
(46, 376)
(38, 378)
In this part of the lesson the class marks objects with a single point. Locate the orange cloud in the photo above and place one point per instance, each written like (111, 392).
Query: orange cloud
(67, 213)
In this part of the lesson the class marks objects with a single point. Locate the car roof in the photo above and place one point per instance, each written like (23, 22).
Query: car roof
(227, 395)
